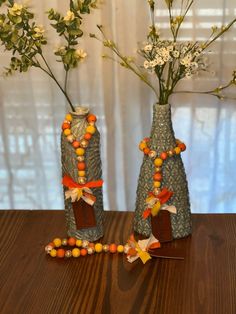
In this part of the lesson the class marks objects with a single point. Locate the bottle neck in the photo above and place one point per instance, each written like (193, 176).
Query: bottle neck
(79, 114)
(162, 134)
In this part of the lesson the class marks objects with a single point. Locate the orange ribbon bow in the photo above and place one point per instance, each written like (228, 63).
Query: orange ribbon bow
(69, 183)
(156, 203)
(76, 191)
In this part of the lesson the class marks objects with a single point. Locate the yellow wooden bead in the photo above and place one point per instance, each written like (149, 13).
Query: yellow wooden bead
(78, 243)
(68, 117)
(98, 247)
(80, 151)
(75, 252)
(67, 132)
(57, 242)
(156, 184)
(120, 248)
(158, 162)
(91, 129)
(142, 145)
(81, 173)
(53, 253)
(177, 150)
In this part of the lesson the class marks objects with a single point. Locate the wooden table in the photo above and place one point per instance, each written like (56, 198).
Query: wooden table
(31, 282)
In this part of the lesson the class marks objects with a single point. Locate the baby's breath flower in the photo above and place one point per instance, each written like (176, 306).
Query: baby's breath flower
(188, 75)
(69, 16)
(184, 49)
(170, 48)
(194, 65)
(148, 48)
(16, 9)
(159, 61)
(186, 61)
(175, 53)
(146, 64)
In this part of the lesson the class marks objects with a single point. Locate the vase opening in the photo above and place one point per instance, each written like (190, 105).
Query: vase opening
(80, 112)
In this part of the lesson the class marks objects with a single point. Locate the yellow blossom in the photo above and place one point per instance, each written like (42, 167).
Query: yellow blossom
(80, 54)
(39, 30)
(69, 16)
(16, 9)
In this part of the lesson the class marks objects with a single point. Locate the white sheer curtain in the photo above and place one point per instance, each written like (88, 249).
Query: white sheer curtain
(32, 109)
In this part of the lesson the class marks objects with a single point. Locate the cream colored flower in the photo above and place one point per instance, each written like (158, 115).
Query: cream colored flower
(146, 64)
(170, 48)
(184, 49)
(80, 54)
(175, 53)
(69, 16)
(186, 61)
(16, 9)
(159, 60)
(147, 48)
(188, 75)
(39, 31)
(61, 50)
(194, 65)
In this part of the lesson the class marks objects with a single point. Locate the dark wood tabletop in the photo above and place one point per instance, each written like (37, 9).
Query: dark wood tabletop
(33, 282)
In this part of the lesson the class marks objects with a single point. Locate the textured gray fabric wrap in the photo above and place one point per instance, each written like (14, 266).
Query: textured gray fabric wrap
(93, 172)
(174, 178)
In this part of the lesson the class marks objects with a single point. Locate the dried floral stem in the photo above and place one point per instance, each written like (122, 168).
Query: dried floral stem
(125, 63)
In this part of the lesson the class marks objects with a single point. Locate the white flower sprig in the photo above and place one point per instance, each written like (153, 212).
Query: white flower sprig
(170, 60)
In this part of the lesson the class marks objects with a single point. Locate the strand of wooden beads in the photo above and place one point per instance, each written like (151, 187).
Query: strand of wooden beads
(72, 247)
(80, 146)
(158, 160)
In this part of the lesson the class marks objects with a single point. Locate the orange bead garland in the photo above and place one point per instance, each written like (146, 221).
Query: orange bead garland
(159, 160)
(72, 247)
(81, 144)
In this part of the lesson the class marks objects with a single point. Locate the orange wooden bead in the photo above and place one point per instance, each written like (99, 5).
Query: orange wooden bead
(113, 248)
(87, 136)
(51, 244)
(182, 146)
(71, 241)
(142, 145)
(157, 176)
(81, 165)
(146, 151)
(83, 252)
(75, 144)
(65, 126)
(60, 253)
(91, 118)
(163, 155)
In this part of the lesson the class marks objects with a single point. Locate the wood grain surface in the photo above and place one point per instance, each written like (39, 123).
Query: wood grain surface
(31, 282)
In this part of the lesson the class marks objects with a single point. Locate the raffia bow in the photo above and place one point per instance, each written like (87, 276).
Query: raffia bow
(77, 191)
(155, 203)
(140, 249)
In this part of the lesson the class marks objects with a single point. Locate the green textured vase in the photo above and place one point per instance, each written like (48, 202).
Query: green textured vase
(93, 172)
(162, 138)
